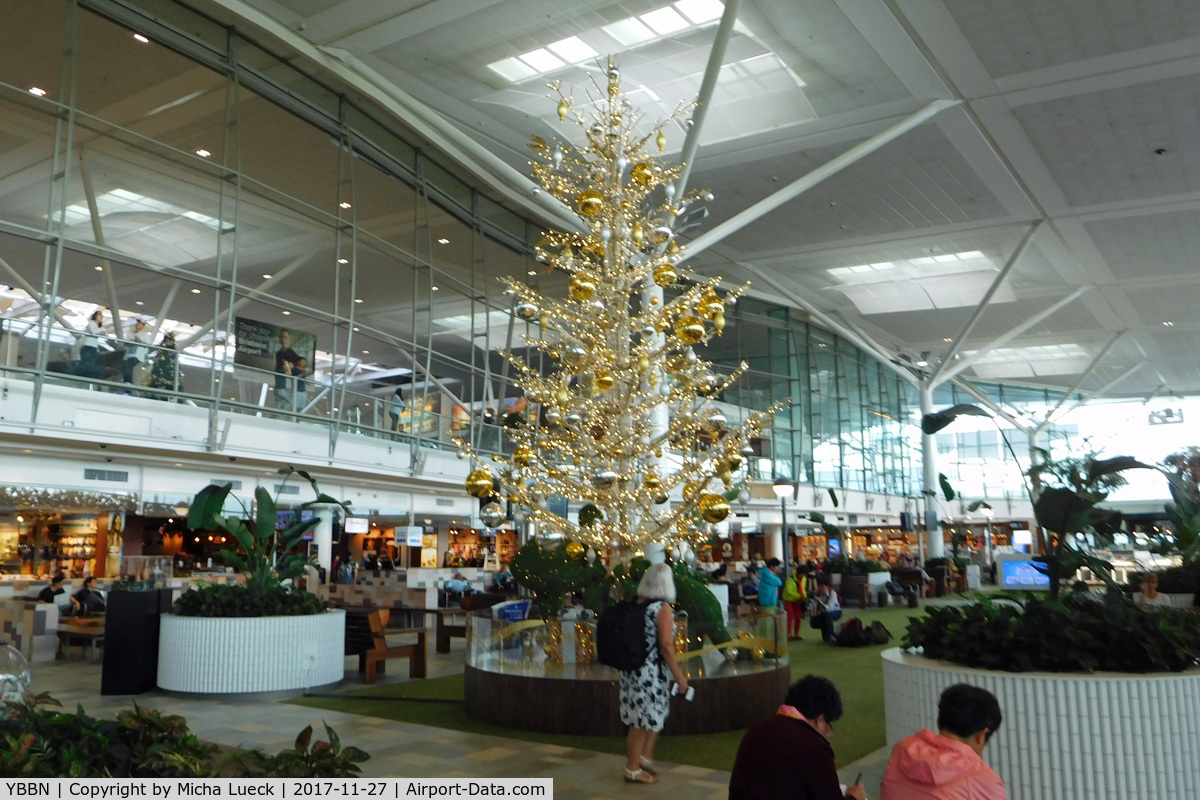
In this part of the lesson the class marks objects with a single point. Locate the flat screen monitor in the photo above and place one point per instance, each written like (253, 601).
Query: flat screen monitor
(1020, 574)
(835, 547)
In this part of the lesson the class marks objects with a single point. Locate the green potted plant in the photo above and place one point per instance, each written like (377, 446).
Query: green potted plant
(263, 633)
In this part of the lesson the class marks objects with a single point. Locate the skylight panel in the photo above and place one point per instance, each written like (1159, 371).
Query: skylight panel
(572, 49)
(946, 258)
(629, 32)
(541, 59)
(512, 70)
(701, 11)
(971, 254)
(664, 21)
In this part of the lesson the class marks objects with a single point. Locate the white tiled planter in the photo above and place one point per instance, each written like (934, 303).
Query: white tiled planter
(1103, 735)
(230, 655)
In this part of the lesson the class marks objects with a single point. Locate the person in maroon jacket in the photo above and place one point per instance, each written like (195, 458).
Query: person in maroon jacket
(788, 757)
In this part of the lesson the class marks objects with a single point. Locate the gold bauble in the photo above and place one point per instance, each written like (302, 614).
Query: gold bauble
(744, 634)
(563, 108)
(590, 203)
(758, 654)
(603, 381)
(522, 455)
(690, 329)
(719, 324)
(661, 141)
(692, 489)
(651, 482)
(713, 507)
(637, 234)
(582, 287)
(736, 460)
(563, 396)
(644, 364)
(676, 363)
(480, 484)
(726, 475)
(642, 173)
(653, 301)
(710, 307)
(575, 550)
(665, 275)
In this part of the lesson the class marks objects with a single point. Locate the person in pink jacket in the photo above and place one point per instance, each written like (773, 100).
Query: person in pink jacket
(948, 765)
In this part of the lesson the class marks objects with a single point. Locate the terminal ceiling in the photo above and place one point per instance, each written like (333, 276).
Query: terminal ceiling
(1078, 113)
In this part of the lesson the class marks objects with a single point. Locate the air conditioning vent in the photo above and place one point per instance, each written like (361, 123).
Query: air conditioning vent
(441, 501)
(235, 485)
(111, 475)
(283, 488)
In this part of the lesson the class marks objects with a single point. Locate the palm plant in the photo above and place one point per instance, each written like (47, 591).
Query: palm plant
(265, 554)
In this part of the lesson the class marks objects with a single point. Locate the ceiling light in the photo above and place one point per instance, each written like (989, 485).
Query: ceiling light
(512, 70)
(443, 240)
(433, 288)
(366, 352)
(356, 329)
(701, 11)
(36, 92)
(343, 261)
(573, 49)
(267, 275)
(141, 38)
(99, 268)
(947, 339)
(358, 299)
(287, 313)
(664, 21)
(139, 303)
(195, 291)
(1169, 323)
(629, 32)
(532, 272)
(541, 59)
(203, 153)
(343, 204)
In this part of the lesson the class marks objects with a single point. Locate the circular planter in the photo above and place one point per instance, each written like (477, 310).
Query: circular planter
(232, 655)
(1066, 735)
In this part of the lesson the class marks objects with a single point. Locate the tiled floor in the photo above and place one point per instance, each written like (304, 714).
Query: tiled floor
(400, 749)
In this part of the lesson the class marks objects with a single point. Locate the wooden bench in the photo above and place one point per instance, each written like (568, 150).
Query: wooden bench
(366, 637)
(856, 588)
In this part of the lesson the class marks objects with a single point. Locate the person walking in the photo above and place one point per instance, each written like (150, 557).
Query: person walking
(136, 352)
(645, 696)
(769, 584)
(89, 351)
(789, 756)
(949, 764)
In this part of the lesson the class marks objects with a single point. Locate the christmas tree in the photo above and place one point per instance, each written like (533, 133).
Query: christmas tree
(627, 407)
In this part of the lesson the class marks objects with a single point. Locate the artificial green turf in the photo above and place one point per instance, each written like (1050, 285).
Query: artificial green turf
(857, 672)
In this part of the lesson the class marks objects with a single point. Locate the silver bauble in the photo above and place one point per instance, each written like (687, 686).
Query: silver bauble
(591, 555)
(597, 130)
(743, 495)
(622, 163)
(708, 382)
(613, 543)
(605, 233)
(747, 449)
(574, 418)
(731, 653)
(526, 310)
(716, 420)
(558, 157)
(614, 73)
(554, 417)
(708, 197)
(597, 305)
(604, 479)
(508, 292)
(492, 515)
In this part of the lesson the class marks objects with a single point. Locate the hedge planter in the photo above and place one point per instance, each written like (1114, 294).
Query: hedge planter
(1066, 735)
(233, 655)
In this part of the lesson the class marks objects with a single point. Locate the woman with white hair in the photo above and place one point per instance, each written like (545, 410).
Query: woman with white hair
(645, 692)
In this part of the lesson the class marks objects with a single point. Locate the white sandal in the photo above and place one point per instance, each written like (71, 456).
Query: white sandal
(639, 776)
(649, 766)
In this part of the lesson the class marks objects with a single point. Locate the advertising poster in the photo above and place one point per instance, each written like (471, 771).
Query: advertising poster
(429, 553)
(271, 348)
(424, 419)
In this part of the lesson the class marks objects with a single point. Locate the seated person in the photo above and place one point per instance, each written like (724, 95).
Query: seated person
(55, 588)
(459, 584)
(386, 562)
(750, 585)
(505, 581)
(88, 601)
(370, 560)
(948, 764)
(825, 610)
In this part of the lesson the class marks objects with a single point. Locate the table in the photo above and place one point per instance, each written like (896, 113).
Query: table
(445, 628)
(90, 630)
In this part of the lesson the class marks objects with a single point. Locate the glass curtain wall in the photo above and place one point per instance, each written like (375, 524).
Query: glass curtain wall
(291, 253)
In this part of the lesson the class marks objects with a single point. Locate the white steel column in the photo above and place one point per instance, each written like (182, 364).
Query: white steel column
(929, 480)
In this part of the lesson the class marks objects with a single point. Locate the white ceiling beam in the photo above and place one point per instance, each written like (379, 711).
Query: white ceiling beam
(370, 25)
(110, 286)
(712, 71)
(977, 313)
(1000, 341)
(1091, 367)
(992, 405)
(1101, 391)
(806, 182)
(868, 346)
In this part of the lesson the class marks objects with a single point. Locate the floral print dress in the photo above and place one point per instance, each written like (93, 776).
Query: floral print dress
(645, 699)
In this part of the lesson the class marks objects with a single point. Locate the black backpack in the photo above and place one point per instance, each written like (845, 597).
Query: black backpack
(853, 634)
(880, 633)
(621, 636)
